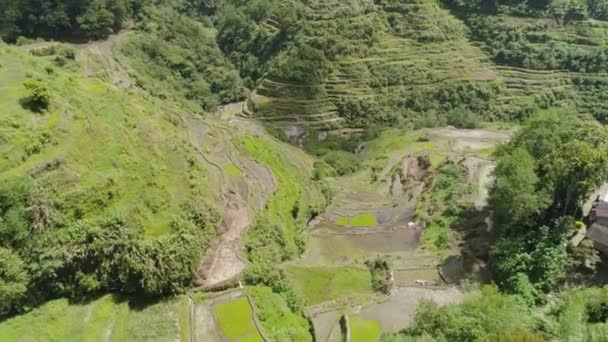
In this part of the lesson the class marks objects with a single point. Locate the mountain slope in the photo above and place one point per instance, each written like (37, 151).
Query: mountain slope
(147, 180)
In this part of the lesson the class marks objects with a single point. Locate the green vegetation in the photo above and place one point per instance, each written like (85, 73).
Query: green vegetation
(279, 232)
(548, 52)
(120, 320)
(236, 320)
(98, 192)
(361, 220)
(278, 321)
(490, 315)
(319, 285)
(483, 316)
(38, 97)
(543, 177)
(443, 206)
(184, 55)
(14, 280)
(233, 170)
(381, 275)
(363, 330)
(65, 19)
(104, 186)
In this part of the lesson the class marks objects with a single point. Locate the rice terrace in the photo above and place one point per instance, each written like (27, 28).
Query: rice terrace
(303, 170)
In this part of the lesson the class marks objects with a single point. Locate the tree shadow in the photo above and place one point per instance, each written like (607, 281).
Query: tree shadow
(135, 302)
(28, 104)
(476, 241)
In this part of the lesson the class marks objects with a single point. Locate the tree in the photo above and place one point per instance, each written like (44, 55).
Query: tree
(39, 97)
(13, 281)
(572, 172)
(514, 198)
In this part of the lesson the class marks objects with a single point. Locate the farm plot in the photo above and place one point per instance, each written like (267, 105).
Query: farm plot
(364, 330)
(319, 284)
(346, 248)
(236, 321)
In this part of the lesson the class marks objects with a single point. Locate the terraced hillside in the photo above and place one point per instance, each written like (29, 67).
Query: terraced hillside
(544, 63)
(386, 62)
(107, 161)
(376, 54)
(401, 206)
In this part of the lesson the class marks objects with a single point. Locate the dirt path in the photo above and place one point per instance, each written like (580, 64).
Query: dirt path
(97, 59)
(398, 310)
(237, 196)
(223, 261)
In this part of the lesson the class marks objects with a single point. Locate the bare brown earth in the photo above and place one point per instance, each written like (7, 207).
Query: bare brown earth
(97, 60)
(397, 311)
(223, 260)
(237, 196)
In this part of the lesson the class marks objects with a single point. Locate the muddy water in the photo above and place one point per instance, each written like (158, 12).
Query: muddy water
(338, 248)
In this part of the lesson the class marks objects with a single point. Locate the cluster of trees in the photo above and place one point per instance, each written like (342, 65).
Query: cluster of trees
(489, 315)
(381, 275)
(39, 96)
(542, 178)
(184, 55)
(247, 42)
(65, 18)
(518, 46)
(561, 10)
(47, 252)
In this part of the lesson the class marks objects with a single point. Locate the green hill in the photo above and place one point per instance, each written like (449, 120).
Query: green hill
(110, 188)
(151, 187)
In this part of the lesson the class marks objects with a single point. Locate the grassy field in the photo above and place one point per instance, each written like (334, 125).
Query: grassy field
(236, 320)
(319, 284)
(116, 152)
(107, 318)
(364, 330)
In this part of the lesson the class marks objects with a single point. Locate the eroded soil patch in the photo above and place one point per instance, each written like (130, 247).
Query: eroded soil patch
(397, 311)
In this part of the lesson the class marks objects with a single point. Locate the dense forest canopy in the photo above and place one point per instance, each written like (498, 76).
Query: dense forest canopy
(68, 19)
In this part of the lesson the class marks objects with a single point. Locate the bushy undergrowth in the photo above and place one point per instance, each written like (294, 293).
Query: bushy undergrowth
(279, 232)
(174, 56)
(278, 321)
(97, 206)
(443, 205)
(487, 314)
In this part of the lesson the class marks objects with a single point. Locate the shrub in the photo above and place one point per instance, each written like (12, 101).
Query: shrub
(381, 275)
(343, 162)
(13, 281)
(39, 97)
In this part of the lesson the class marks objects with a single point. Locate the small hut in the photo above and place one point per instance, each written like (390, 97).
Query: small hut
(598, 232)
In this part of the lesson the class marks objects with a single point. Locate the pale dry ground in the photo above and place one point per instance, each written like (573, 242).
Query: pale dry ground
(398, 310)
(325, 324)
(97, 60)
(237, 196)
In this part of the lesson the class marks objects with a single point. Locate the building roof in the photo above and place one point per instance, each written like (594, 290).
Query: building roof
(598, 233)
(600, 209)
